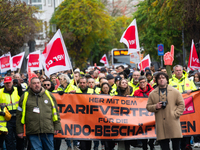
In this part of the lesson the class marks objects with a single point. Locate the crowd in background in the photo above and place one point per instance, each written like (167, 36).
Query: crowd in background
(118, 81)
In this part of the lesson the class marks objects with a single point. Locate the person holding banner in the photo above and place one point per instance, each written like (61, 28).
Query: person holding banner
(84, 145)
(123, 89)
(168, 105)
(91, 84)
(180, 81)
(65, 85)
(144, 90)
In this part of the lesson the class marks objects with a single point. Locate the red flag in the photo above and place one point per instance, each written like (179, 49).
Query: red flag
(146, 62)
(16, 61)
(130, 38)
(55, 56)
(34, 61)
(31, 75)
(5, 62)
(104, 60)
(193, 62)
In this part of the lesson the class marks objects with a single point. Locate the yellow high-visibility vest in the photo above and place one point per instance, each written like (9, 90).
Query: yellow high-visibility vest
(54, 112)
(3, 122)
(89, 91)
(182, 84)
(11, 101)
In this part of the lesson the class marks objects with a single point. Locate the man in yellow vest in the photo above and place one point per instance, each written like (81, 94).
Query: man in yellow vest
(111, 82)
(134, 83)
(83, 88)
(180, 81)
(91, 84)
(9, 96)
(39, 112)
(66, 87)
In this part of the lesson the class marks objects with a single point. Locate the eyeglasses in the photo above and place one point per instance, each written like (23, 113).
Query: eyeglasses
(46, 84)
(142, 82)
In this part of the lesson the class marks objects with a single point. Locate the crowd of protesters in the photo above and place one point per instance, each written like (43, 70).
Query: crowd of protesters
(117, 81)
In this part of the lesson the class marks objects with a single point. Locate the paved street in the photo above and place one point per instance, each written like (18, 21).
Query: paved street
(64, 147)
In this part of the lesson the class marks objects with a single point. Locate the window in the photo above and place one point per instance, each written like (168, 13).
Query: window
(49, 2)
(26, 1)
(39, 6)
(53, 28)
(36, 1)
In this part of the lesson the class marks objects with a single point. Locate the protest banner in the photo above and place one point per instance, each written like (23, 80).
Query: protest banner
(85, 116)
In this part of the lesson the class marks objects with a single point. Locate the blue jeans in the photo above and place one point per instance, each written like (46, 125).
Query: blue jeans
(69, 143)
(43, 141)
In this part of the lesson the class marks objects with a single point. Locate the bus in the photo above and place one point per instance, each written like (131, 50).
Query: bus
(121, 57)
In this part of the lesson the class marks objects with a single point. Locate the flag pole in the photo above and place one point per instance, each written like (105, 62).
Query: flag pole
(19, 70)
(74, 78)
(140, 60)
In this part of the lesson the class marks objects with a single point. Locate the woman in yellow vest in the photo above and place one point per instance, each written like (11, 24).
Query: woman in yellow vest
(106, 89)
(4, 117)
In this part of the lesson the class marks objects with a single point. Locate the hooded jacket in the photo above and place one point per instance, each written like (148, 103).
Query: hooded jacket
(144, 93)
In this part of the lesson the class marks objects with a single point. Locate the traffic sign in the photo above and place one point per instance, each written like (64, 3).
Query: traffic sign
(160, 49)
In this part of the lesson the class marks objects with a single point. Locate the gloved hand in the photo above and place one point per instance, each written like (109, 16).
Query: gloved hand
(2, 113)
(60, 92)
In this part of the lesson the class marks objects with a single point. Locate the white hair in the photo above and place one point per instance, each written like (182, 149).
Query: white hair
(66, 77)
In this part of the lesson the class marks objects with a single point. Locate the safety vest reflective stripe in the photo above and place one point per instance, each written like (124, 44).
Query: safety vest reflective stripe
(54, 112)
(183, 84)
(10, 100)
(12, 104)
(69, 88)
(89, 91)
(24, 107)
(97, 90)
(3, 122)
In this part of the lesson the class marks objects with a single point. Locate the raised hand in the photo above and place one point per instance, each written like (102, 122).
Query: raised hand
(169, 56)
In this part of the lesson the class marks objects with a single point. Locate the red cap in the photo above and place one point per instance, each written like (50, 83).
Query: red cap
(7, 79)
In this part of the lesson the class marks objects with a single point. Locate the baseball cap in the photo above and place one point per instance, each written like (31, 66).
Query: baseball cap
(117, 78)
(109, 77)
(7, 79)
